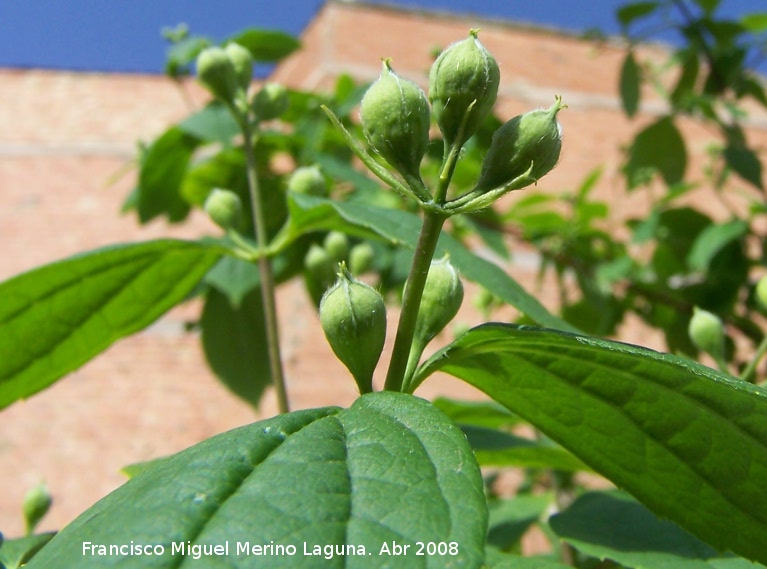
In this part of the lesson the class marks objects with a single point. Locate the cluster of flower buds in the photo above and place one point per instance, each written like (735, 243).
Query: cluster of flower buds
(227, 73)
(321, 262)
(463, 87)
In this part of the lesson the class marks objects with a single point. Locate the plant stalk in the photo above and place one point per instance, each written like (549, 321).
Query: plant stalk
(411, 301)
(419, 270)
(265, 272)
(748, 373)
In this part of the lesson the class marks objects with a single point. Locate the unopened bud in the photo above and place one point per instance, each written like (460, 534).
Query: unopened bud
(464, 73)
(442, 297)
(523, 150)
(308, 180)
(216, 71)
(224, 207)
(395, 117)
(319, 272)
(361, 258)
(353, 317)
(270, 102)
(337, 245)
(707, 332)
(242, 60)
(761, 292)
(37, 502)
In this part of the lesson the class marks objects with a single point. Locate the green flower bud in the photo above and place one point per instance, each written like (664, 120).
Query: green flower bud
(216, 71)
(270, 102)
(707, 333)
(530, 142)
(224, 207)
(442, 297)
(36, 504)
(462, 74)
(319, 272)
(484, 301)
(337, 245)
(395, 118)
(353, 317)
(242, 60)
(761, 292)
(308, 180)
(361, 258)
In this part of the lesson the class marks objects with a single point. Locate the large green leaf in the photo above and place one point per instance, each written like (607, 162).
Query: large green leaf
(687, 441)
(612, 525)
(55, 318)
(391, 468)
(308, 213)
(234, 341)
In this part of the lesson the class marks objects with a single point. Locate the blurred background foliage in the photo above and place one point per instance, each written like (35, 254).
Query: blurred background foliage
(656, 267)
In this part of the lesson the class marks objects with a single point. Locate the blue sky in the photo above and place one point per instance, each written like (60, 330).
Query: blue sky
(124, 35)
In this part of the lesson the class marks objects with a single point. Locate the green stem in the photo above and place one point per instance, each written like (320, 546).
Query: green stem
(424, 252)
(446, 172)
(265, 271)
(433, 220)
(751, 368)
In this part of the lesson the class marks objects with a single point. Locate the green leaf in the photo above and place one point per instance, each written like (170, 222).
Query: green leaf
(182, 54)
(504, 561)
(496, 448)
(685, 85)
(391, 468)
(491, 237)
(55, 318)
(611, 525)
(225, 169)
(214, 123)
(631, 12)
(162, 171)
(658, 147)
(266, 46)
(755, 23)
(309, 213)
(708, 6)
(745, 163)
(234, 341)
(589, 183)
(478, 413)
(15, 552)
(133, 470)
(629, 84)
(234, 278)
(510, 519)
(712, 240)
(689, 442)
